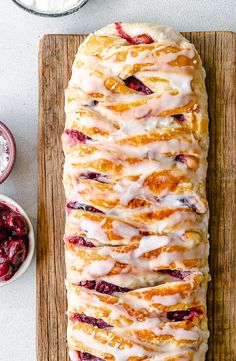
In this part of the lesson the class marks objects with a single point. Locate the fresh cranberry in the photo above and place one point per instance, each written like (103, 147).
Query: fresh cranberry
(97, 322)
(103, 287)
(2, 223)
(184, 315)
(3, 256)
(13, 241)
(4, 215)
(4, 207)
(180, 117)
(80, 241)
(5, 245)
(85, 356)
(180, 275)
(135, 40)
(137, 85)
(16, 223)
(16, 252)
(6, 271)
(76, 136)
(85, 207)
(3, 235)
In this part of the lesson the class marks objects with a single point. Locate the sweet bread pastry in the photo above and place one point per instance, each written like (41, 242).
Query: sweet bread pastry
(136, 234)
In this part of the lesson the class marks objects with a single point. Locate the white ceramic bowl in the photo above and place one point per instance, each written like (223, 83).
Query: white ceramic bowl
(54, 14)
(31, 237)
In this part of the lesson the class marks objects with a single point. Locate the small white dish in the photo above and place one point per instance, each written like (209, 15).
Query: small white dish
(27, 261)
(55, 13)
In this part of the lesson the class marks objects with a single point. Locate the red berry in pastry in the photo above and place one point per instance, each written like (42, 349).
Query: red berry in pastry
(181, 158)
(98, 322)
(92, 175)
(103, 287)
(85, 356)
(2, 224)
(76, 136)
(184, 315)
(85, 207)
(180, 117)
(80, 241)
(136, 84)
(180, 275)
(135, 40)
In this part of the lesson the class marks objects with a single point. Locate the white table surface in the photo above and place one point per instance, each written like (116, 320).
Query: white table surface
(19, 36)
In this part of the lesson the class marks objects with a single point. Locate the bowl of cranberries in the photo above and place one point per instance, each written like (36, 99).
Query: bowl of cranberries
(17, 241)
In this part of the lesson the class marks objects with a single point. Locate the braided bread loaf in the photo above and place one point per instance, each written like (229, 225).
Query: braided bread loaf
(136, 237)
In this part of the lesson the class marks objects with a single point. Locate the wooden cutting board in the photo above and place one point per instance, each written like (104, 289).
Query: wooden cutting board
(218, 52)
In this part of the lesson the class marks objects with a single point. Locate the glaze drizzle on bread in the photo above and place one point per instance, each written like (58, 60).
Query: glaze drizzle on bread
(136, 237)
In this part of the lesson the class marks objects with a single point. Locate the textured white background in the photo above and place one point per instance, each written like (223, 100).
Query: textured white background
(19, 36)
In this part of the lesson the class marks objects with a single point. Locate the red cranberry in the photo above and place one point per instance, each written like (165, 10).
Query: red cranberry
(85, 356)
(4, 215)
(4, 207)
(195, 312)
(85, 207)
(103, 287)
(5, 245)
(135, 40)
(88, 284)
(180, 117)
(184, 315)
(3, 256)
(2, 223)
(13, 250)
(76, 136)
(92, 175)
(97, 322)
(189, 203)
(91, 209)
(180, 158)
(16, 223)
(137, 85)
(180, 275)
(16, 252)
(3, 235)
(143, 39)
(6, 271)
(80, 241)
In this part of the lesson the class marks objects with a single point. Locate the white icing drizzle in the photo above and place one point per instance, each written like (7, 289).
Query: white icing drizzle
(124, 230)
(121, 354)
(97, 269)
(93, 230)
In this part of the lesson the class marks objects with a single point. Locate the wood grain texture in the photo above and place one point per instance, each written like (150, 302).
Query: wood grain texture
(218, 52)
